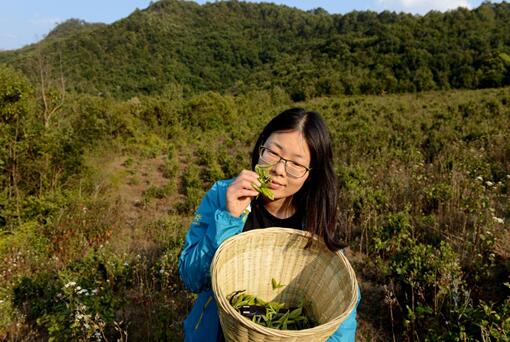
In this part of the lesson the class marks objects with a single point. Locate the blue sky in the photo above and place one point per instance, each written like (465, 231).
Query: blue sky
(27, 21)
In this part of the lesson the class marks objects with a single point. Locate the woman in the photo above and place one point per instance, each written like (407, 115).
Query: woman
(297, 145)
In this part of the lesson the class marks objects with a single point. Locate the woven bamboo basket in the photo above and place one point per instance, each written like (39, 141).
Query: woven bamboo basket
(249, 261)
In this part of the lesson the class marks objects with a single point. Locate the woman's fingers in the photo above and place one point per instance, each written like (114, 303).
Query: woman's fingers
(241, 192)
(249, 184)
(247, 193)
(243, 189)
(246, 180)
(249, 175)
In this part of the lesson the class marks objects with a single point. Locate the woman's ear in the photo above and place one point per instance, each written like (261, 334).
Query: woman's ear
(308, 176)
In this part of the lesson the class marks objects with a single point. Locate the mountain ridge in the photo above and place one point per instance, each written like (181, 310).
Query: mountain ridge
(232, 46)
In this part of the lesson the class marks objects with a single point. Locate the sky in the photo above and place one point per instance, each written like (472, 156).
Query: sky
(24, 22)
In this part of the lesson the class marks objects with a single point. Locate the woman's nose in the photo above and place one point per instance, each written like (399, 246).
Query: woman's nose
(279, 168)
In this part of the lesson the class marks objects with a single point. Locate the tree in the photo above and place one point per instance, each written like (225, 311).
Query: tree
(14, 103)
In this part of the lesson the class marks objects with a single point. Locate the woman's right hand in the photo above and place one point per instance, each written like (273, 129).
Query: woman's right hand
(241, 192)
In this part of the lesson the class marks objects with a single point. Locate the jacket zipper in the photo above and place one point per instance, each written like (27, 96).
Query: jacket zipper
(207, 302)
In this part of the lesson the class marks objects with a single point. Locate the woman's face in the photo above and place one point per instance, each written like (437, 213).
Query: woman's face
(292, 146)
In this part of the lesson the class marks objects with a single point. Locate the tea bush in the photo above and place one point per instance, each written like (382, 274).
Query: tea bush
(76, 302)
(192, 189)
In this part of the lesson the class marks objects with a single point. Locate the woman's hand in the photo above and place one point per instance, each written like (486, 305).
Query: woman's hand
(240, 192)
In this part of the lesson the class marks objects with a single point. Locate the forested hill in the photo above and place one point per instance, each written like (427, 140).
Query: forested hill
(232, 46)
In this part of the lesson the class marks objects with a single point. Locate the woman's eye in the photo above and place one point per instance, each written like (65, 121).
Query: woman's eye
(272, 154)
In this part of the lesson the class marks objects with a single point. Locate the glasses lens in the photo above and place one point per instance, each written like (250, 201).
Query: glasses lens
(295, 169)
(269, 157)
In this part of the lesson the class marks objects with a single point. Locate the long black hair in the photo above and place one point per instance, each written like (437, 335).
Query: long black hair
(317, 198)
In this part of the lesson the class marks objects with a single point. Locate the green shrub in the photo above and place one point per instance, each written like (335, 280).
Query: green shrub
(76, 303)
(193, 190)
(210, 110)
(156, 192)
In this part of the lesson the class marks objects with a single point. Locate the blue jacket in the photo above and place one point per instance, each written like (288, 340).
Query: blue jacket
(211, 225)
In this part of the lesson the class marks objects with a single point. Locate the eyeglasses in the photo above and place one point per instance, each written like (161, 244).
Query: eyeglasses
(270, 157)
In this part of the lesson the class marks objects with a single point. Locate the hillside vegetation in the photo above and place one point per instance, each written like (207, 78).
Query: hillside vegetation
(111, 134)
(233, 47)
(96, 200)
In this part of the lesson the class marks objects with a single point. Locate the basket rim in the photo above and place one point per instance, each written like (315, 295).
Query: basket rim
(227, 309)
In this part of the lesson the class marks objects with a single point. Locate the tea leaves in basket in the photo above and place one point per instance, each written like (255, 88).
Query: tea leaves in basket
(271, 314)
(275, 284)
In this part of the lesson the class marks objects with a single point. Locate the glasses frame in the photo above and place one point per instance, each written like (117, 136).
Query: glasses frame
(261, 150)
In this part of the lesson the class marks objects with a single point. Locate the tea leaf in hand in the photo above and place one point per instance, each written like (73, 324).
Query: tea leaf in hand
(264, 179)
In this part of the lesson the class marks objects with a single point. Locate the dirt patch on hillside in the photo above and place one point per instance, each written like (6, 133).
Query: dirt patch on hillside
(133, 182)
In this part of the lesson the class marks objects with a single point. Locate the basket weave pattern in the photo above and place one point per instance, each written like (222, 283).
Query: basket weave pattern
(249, 261)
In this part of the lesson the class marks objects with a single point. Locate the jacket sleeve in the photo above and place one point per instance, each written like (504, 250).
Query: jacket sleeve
(346, 332)
(211, 225)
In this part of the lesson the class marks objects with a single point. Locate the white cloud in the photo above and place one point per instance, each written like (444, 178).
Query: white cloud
(423, 6)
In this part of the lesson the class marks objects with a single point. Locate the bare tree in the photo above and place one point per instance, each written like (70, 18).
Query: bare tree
(52, 91)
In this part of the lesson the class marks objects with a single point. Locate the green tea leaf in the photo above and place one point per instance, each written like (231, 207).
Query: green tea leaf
(264, 179)
(276, 315)
(295, 313)
(275, 284)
